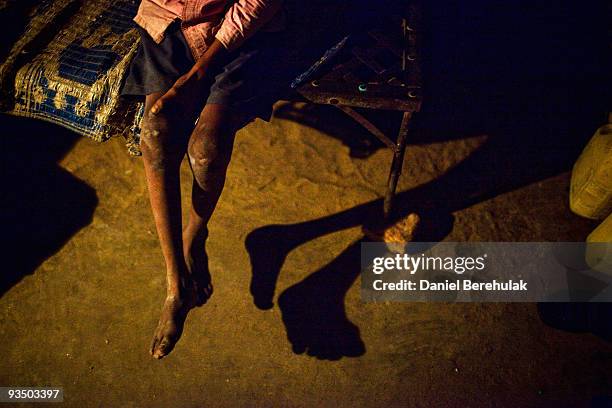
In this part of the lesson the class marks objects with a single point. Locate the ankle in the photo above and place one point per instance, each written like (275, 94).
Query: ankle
(178, 290)
(174, 292)
(194, 238)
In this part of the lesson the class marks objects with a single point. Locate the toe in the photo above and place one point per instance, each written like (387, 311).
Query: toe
(153, 345)
(206, 292)
(202, 293)
(162, 349)
(158, 353)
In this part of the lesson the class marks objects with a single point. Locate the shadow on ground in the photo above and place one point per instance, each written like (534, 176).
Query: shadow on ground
(516, 74)
(44, 205)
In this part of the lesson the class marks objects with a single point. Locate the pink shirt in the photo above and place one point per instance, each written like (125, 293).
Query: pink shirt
(231, 22)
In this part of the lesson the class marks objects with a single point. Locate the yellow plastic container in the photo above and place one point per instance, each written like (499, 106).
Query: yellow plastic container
(591, 184)
(599, 256)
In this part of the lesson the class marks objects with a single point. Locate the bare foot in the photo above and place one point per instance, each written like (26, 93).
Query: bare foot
(197, 264)
(170, 326)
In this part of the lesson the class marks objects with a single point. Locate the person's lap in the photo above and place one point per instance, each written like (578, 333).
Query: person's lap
(251, 78)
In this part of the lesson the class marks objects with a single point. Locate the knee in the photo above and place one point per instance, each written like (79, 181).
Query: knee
(208, 158)
(158, 147)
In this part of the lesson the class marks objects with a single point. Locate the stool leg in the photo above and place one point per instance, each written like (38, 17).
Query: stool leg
(396, 165)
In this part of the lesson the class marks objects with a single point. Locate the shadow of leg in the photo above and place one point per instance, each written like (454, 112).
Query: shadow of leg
(268, 246)
(313, 310)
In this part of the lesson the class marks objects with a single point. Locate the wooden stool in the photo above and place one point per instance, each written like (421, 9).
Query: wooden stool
(383, 73)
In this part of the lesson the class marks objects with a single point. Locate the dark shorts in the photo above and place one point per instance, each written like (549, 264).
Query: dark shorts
(156, 67)
(251, 80)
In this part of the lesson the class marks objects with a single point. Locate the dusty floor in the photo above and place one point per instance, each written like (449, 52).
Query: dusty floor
(81, 303)
(512, 95)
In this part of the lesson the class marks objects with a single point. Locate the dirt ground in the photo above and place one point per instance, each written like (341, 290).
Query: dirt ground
(512, 95)
(80, 304)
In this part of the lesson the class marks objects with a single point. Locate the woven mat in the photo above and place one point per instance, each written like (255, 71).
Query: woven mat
(75, 78)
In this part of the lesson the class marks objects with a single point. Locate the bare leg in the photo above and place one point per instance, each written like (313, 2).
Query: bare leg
(163, 145)
(209, 151)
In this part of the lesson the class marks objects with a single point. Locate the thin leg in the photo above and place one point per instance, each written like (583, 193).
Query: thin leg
(163, 145)
(162, 153)
(209, 151)
(396, 165)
